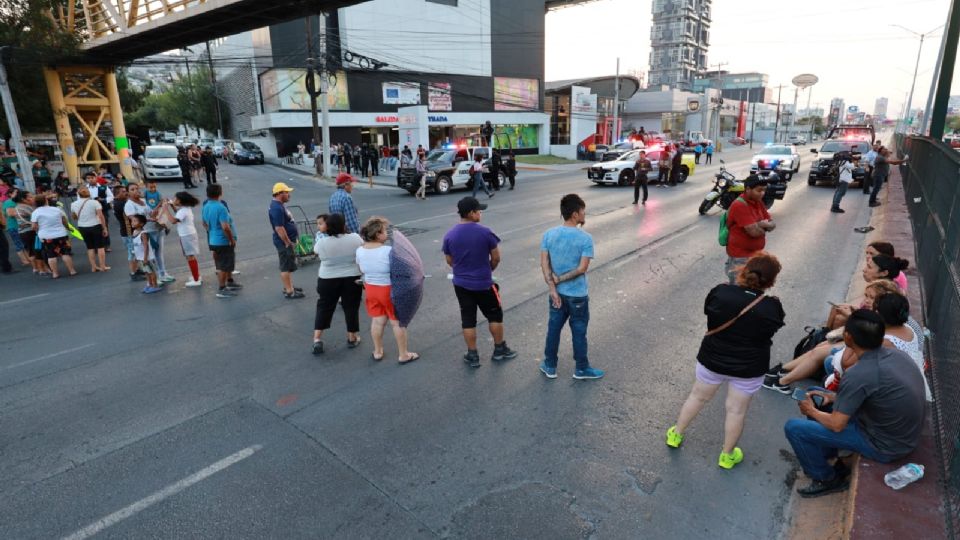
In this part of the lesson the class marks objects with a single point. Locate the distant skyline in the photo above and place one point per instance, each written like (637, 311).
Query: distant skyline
(853, 48)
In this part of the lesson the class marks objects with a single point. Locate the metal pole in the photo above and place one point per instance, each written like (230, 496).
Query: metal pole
(809, 116)
(914, 83)
(61, 117)
(120, 142)
(753, 121)
(216, 94)
(193, 96)
(310, 77)
(324, 103)
(925, 123)
(776, 124)
(938, 116)
(793, 117)
(26, 173)
(616, 106)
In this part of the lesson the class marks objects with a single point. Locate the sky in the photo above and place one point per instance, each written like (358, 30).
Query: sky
(850, 45)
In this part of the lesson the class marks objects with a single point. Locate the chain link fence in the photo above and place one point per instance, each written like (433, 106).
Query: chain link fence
(932, 186)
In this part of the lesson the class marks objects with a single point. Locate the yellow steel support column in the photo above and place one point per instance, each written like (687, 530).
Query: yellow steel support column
(62, 118)
(120, 141)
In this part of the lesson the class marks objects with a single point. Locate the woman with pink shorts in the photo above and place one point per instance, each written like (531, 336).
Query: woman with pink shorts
(741, 322)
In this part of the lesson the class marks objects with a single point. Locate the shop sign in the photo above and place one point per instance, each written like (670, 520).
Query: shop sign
(437, 118)
(439, 97)
(387, 119)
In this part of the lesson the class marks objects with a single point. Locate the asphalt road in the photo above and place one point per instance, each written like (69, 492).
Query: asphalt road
(183, 415)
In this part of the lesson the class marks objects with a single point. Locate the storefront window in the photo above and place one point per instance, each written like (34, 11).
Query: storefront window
(559, 108)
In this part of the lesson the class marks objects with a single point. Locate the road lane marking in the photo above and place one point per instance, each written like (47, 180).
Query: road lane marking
(49, 356)
(5, 302)
(165, 493)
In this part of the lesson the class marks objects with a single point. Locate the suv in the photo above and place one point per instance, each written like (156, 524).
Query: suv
(448, 168)
(824, 166)
(245, 152)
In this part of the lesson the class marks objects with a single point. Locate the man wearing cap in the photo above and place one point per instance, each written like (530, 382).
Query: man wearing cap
(472, 251)
(285, 237)
(342, 203)
(748, 222)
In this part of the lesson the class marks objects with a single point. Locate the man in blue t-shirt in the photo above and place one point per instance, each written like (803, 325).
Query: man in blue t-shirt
(285, 237)
(221, 238)
(472, 251)
(565, 254)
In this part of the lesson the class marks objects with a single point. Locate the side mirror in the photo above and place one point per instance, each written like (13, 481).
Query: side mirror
(814, 151)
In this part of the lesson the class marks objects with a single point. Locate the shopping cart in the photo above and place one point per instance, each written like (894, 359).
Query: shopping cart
(303, 250)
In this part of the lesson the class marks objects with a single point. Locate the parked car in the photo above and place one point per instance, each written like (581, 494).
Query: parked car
(205, 142)
(619, 171)
(245, 152)
(219, 145)
(797, 140)
(737, 141)
(782, 158)
(159, 162)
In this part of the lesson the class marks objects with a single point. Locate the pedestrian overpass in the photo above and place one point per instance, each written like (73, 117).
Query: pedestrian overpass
(119, 31)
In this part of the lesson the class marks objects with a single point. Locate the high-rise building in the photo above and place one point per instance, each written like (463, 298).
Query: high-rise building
(880, 109)
(837, 111)
(679, 38)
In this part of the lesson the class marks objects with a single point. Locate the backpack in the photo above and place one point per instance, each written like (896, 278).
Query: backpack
(724, 233)
(815, 335)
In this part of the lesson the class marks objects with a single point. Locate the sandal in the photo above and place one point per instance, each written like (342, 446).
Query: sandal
(412, 358)
(376, 358)
(353, 344)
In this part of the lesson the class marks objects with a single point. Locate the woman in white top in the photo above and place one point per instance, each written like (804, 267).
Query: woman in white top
(88, 214)
(51, 227)
(894, 308)
(180, 211)
(373, 257)
(338, 280)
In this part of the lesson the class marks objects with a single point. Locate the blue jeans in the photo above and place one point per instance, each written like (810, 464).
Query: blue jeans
(877, 184)
(577, 310)
(479, 183)
(813, 444)
(841, 191)
(156, 244)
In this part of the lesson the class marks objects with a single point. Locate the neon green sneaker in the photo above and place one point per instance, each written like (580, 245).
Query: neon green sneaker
(727, 461)
(674, 439)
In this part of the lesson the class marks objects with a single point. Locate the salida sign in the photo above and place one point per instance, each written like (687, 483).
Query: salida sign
(393, 119)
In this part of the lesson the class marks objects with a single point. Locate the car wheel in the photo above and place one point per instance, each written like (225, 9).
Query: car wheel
(788, 176)
(261, 161)
(684, 173)
(811, 181)
(706, 205)
(442, 184)
(626, 178)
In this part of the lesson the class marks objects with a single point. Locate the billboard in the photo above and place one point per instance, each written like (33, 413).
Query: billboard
(511, 94)
(582, 101)
(286, 90)
(512, 137)
(439, 97)
(401, 93)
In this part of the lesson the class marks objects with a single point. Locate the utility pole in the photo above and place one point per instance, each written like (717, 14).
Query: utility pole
(938, 114)
(776, 125)
(216, 93)
(716, 138)
(311, 88)
(753, 121)
(324, 95)
(26, 173)
(616, 107)
(193, 96)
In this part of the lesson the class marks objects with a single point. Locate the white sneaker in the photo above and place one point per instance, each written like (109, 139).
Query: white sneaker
(167, 278)
(193, 283)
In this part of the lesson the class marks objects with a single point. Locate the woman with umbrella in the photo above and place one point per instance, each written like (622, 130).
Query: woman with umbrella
(374, 260)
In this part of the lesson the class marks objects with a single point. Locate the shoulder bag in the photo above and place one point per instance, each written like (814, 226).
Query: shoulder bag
(729, 323)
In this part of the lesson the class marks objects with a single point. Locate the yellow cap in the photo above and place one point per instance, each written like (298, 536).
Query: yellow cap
(280, 187)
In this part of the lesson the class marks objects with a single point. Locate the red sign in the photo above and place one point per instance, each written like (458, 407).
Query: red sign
(389, 119)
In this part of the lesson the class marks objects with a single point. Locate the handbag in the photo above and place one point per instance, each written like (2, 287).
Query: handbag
(729, 323)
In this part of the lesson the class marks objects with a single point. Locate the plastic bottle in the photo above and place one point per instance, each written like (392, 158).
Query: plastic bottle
(911, 472)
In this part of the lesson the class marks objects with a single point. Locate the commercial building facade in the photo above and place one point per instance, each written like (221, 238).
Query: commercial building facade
(679, 39)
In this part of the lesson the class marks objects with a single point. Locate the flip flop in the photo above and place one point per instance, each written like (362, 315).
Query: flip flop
(353, 344)
(376, 358)
(412, 358)
(863, 229)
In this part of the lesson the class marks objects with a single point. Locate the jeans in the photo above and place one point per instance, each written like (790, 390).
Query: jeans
(577, 310)
(478, 183)
(814, 444)
(877, 184)
(709, 158)
(867, 180)
(640, 182)
(841, 191)
(156, 244)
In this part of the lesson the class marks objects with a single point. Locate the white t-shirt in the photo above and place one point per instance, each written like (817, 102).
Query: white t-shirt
(86, 211)
(50, 220)
(133, 208)
(138, 248)
(185, 226)
(375, 264)
(846, 172)
(338, 255)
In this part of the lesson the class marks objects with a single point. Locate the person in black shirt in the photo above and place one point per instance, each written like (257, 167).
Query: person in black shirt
(496, 164)
(641, 168)
(736, 349)
(510, 168)
(209, 163)
(185, 169)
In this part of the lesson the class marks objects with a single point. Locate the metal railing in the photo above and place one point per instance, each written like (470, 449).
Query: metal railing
(932, 188)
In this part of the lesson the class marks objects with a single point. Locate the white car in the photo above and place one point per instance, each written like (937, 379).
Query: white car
(159, 162)
(620, 171)
(782, 158)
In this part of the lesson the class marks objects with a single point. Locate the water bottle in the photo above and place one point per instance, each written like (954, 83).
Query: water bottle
(899, 478)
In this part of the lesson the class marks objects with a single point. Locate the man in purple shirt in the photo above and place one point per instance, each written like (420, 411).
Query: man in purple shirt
(472, 251)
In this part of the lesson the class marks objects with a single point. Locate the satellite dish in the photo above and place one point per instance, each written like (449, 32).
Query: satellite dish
(805, 80)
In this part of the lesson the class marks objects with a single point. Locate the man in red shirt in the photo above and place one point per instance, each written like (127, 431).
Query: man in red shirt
(748, 222)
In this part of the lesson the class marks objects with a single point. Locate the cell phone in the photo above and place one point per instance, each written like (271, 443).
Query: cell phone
(799, 394)
(832, 304)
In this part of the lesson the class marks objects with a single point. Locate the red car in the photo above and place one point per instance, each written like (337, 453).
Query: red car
(737, 141)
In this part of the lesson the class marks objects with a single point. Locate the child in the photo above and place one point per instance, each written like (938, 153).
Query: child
(145, 256)
(321, 228)
(180, 212)
(152, 196)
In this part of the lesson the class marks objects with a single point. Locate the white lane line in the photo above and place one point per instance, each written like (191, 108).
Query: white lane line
(5, 302)
(49, 356)
(164, 493)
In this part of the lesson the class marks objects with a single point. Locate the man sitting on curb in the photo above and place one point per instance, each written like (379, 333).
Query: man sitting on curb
(878, 411)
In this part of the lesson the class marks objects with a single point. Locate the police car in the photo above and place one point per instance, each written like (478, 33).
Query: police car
(780, 158)
(449, 168)
(620, 171)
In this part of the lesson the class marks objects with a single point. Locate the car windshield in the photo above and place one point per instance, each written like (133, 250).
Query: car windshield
(777, 151)
(629, 156)
(441, 155)
(249, 146)
(837, 146)
(156, 152)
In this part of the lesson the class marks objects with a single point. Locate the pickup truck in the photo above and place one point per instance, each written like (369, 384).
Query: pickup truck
(449, 168)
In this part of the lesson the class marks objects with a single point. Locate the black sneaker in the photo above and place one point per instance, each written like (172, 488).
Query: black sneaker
(472, 358)
(317, 347)
(818, 488)
(233, 286)
(772, 382)
(837, 210)
(502, 352)
(293, 295)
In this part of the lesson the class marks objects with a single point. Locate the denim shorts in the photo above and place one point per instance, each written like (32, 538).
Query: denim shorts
(128, 243)
(17, 241)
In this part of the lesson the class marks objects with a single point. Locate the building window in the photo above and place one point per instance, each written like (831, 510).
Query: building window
(445, 2)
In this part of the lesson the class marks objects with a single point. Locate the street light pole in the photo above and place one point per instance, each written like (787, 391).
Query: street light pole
(616, 106)
(216, 94)
(916, 66)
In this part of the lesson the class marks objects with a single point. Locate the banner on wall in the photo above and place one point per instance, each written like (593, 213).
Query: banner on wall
(439, 97)
(516, 136)
(511, 94)
(401, 93)
(286, 90)
(582, 101)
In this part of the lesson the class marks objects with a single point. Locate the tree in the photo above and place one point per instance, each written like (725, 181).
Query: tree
(30, 38)
(187, 101)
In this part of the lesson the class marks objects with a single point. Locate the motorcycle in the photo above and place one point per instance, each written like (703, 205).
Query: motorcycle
(726, 189)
